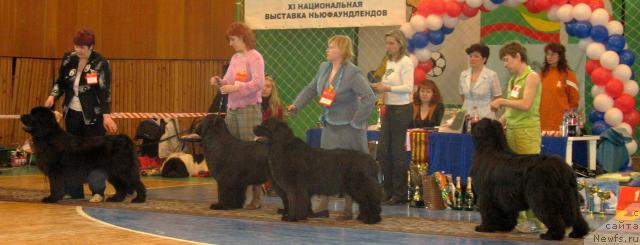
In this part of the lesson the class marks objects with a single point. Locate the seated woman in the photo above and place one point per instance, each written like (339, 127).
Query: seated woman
(427, 106)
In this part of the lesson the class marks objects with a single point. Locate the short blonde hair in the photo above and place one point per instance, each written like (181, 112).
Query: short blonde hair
(343, 43)
(399, 37)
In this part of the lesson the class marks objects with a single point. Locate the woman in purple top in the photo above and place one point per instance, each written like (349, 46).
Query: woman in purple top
(243, 82)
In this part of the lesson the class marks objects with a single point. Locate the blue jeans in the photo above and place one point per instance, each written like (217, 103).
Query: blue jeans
(97, 184)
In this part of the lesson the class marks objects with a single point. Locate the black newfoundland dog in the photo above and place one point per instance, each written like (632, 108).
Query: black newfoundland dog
(507, 183)
(302, 171)
(66, 158)
(233, 163)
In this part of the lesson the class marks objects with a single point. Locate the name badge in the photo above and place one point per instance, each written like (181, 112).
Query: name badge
(92, 78)
(327, 97)
(515, 92)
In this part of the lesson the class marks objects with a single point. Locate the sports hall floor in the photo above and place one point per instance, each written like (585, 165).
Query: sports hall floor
(176, 212)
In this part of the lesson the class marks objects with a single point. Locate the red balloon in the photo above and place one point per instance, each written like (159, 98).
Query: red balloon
(419, 75)
(426, 65)
(542, 5)
(600, 76)
(453, 8)
(560, 2)
(531, 6)
(595, 4)
(437, 7)
(632, 118)
(625, 103)
(424, 8)
(469, 11)
(614, 88)
(592, 65)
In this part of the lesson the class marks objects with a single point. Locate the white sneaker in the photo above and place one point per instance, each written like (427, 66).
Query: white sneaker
(527, 226)
(96, 198)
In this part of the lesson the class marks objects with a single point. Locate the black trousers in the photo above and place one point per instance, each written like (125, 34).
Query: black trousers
(74, 122)
(391, 151)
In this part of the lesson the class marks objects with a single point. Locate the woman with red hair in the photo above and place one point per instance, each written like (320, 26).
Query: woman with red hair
(85, 81)
(243, 82)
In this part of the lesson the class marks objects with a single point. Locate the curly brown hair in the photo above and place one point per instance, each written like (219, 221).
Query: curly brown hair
(242, 31)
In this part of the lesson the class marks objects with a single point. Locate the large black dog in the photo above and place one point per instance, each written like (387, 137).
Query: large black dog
(234, 163)
(506, 183)
(66, 158)
(302, 171)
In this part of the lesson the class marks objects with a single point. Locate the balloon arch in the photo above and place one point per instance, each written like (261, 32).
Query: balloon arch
(602, 39)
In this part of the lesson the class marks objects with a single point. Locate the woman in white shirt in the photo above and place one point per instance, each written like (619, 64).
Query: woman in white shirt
(479, 85)
(396, 88)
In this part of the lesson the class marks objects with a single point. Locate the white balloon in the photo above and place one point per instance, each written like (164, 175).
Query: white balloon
(489, 5)
(584, 43)
(552, 14)
(615, 28)
(622, 72)
(631, 88)
(626, 127)
(632, 147)
(414, 60)
(596, 90)
(418, 23)
(581, 12)
(609, 60)
(599, 17)
(434, 22)
(450, 22)
(422, 54)
(603, 102)
(434, 47)
(564, 13)
(474, 3)
(407, 30)
(595, 50)
(613, 117)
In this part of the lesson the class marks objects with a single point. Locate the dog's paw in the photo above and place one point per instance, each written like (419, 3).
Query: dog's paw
(372, 219)
(282, 211)
(483, 228)
(217, 206)
(550, 236)
(575, 234)
(115, 199)
(49, 199)
(138, 200)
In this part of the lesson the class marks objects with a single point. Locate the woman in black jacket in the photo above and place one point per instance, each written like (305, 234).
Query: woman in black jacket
(84, 80)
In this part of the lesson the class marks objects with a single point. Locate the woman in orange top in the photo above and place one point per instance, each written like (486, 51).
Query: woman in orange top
(560, 90)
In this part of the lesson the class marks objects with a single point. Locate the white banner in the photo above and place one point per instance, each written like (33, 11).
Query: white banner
(298, 14)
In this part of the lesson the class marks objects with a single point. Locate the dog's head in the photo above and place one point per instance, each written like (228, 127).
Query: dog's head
(274, 130)
(40, 122)
(210, 125)
(488, 134)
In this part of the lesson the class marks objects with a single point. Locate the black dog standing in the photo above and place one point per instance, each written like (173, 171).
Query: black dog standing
(302, 171)
(67, 158)
(506, 183)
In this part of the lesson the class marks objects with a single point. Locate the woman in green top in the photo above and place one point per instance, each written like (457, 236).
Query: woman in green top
(522, 117)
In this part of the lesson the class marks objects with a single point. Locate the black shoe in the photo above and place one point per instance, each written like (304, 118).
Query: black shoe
(321, 214)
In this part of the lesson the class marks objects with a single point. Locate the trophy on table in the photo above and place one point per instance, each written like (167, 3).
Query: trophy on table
(581, 185)
(604, 196)
(592, 190)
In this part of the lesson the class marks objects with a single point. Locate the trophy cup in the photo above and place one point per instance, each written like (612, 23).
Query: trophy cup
(416, 174)
(379, 105)
(604, 196)
(592, 190)
(581, 185)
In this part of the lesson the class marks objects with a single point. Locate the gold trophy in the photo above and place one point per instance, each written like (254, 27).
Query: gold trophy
(417, 171)
(379, 105)
(581, 185)
(592, 190)
(604, 196)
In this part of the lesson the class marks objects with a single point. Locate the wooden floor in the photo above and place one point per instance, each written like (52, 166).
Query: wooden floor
(46, 221)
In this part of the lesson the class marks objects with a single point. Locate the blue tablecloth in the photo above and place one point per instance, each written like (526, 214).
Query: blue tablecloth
(453, 153)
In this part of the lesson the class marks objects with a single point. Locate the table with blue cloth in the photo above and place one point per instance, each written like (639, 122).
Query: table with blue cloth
(453, 153)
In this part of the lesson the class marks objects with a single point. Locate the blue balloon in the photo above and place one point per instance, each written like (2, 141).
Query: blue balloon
(627, 57)
(410, 47)
(497, 1)
(420, 40)
(571, 27)
(436, 37)
(446, 30)
(615, 43)
(595, 116)
(598, 127)
(583, 29)
(599, 33)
